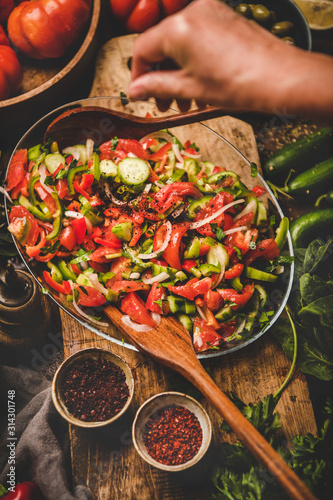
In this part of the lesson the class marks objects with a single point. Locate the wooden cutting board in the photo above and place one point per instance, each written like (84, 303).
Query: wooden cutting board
(105, 459)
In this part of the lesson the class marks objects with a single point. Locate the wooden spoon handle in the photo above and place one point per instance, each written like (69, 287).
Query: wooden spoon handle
(251, 438)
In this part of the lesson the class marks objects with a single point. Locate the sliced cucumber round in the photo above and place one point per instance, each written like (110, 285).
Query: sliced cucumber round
(108, 168)
(133, 171)
(53, 160)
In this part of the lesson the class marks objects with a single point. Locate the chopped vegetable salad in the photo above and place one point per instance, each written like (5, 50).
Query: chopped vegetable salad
(151, 226)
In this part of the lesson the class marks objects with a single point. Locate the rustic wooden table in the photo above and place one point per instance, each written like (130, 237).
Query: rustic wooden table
(105, 460)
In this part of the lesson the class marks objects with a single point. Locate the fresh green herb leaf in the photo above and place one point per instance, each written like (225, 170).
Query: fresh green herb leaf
(82, 256)
(194, 146)
(123, 98)
(159, 303)
(254, 169)
(51, 249)
(271, 220)
(219, 233)
(114, 143)
(281, 260)
(49, 181)
(62, 174)
(212, 346)
(46, 148)
(238, 253)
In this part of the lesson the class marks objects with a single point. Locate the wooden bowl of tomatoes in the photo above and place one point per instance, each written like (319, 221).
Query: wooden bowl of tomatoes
(49, 62)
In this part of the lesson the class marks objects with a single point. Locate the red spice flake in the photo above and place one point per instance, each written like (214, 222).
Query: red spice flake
(173, 435)
(95, 390)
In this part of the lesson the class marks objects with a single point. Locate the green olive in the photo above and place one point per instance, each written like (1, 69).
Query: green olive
(289, 40)
(282, 28)
(244, 9)
(261, 14)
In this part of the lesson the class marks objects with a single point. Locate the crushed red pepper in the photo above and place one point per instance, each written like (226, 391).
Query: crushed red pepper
(173, 435)
(95, 389)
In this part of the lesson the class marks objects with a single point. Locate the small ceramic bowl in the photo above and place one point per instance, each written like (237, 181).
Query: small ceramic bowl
(154, 404)
(91, 353)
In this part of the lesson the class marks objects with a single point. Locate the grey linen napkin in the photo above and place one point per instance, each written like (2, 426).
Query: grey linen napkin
(42, 436)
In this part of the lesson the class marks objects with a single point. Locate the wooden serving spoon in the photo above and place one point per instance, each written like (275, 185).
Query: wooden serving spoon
(78, 124)
(171, 345)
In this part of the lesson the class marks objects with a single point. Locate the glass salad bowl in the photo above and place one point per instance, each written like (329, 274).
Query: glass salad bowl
(213, 148)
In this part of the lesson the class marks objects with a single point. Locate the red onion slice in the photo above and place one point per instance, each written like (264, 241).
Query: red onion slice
(175, 149)
(3, 191)
(89, 147)
(202, 222)
(158, 278)
(43, 174)
(157, 135)
(135, 326)
(153, 255)
(93, 278)
(235, 229)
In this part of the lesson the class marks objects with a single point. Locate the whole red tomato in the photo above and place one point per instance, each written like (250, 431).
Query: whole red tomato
(47, 28)
(6, 6)
(138, 15)
(10, 72)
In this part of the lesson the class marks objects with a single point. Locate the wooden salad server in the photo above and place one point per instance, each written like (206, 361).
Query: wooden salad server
(171, 345)
(78, 124)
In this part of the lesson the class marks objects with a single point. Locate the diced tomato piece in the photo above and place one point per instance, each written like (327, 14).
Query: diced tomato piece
(126, 146)
(23, 225)
(74, 206)
(62, 188)
(21, 188)
(17, 168)
(64, 287)
(172, 251)
(135, 308)
(149, 142)
(100, 268)
(234, 272)
(170, 194)
(32, 251)
(92, 297)
(240, 299)
(219, 201)
(46, 197)
(258, 190)
(217, 170)
(213, 300)
(210, 318)
(188, 264)
(127, 286)
(204, 336)
(76, 269)
(228, 328)
(67, 238)
(88, 244)
(105, 151)
(266, 249)
(80, 229)
(109, 244)
(192, 288)
(157, 293)
(86, 181)
(97, 233)
(161, 152)
(100, 254)
(136, 235)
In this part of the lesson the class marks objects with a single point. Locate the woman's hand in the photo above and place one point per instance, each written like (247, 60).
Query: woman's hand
(221, 58)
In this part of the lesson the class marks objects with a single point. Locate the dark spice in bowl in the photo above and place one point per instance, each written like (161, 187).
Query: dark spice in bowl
(95, 389)
(173, 435)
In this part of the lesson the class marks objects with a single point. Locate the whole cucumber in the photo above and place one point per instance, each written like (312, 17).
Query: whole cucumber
(300, 155)
(312, 181)
(308, 226)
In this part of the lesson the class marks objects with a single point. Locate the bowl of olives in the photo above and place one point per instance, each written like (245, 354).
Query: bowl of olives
(283, 18)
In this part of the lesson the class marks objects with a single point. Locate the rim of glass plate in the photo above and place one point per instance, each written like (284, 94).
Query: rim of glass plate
(208, 355)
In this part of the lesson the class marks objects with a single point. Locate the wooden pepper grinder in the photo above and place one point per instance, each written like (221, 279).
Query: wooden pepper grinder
(25, 313)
